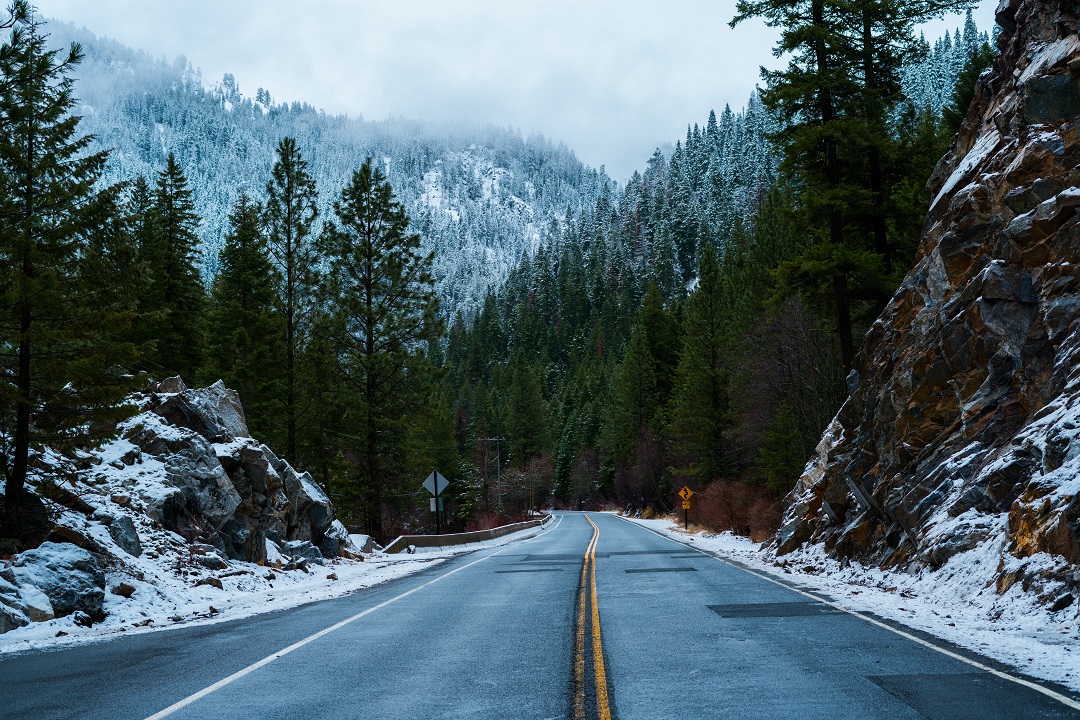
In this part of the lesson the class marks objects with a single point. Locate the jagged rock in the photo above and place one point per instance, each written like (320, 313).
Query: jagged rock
(213, 412)
(123, 590)
(71, 577)
(199, 488)
(334, 540)
(10, 619)
(211, 562)
(123, 532)
(966, 401)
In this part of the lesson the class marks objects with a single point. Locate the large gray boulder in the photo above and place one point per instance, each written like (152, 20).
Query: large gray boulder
(123, 532)
(72, 578)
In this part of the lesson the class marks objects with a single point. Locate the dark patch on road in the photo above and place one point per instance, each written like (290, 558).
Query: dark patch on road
(969, 696)
(661, 570)
(767, 610)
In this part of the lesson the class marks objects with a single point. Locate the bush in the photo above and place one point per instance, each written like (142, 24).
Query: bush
(738, 508)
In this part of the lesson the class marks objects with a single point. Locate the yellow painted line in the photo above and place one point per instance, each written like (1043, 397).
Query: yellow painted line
(579, 649)
(603, 706)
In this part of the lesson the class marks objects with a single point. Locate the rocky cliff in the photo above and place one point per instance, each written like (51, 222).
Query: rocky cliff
(963, 424)
(184, 497)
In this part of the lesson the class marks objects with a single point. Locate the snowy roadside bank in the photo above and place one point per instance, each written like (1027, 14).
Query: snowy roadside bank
(171, 600)
(957, 603)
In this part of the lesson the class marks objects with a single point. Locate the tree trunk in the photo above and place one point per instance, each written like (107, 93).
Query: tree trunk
(877, 184)
(832, 180)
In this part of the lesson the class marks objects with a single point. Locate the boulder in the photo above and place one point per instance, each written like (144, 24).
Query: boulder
(193, 469)
(303, 549)
(335, 540)
(71, 578)
(11, 619)
(122, 530)
(171, 385)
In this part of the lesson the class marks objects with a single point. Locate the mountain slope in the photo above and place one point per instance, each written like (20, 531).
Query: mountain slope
(480, 196)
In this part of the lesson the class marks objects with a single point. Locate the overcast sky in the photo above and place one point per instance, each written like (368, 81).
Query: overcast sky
(612, 78)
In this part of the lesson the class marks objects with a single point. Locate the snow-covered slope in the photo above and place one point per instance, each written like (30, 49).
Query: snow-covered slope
(480, 196)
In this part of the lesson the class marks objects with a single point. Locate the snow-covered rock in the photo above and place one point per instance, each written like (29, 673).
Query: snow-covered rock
(182, 496)
(72, 578)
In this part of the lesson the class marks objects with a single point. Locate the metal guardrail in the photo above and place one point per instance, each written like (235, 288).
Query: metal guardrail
(429, 541)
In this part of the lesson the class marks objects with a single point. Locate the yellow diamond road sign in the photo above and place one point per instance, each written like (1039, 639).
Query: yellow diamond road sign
(685, 493)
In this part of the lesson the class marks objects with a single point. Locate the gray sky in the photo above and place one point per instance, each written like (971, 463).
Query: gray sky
(612, 78)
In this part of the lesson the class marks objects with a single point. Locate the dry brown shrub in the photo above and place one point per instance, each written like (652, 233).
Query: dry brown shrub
(741, 509)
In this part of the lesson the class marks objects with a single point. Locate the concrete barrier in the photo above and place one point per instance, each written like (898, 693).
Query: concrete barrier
(403, 542)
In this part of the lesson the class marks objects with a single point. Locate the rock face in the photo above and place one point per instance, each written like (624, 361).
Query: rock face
(185, 469)
(965, 404)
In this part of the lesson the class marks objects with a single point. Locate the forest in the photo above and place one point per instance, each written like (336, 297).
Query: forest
(694, 326)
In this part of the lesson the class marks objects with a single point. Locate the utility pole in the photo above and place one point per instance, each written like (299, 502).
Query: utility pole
(498, 467)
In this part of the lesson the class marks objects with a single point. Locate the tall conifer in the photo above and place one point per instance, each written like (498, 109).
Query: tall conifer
(380, 293)
(176, 299)
(289, 218)
(62, 255)
(245, 346)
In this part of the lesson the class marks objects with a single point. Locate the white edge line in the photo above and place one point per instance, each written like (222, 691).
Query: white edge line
(1063, 699)
(181, 704)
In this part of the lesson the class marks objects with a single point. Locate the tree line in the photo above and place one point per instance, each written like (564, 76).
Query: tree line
(659, 339)
(325, 331)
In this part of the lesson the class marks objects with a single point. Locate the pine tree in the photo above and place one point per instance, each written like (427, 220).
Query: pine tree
(379, 291)
(176, 298)
(63, 251)
(810, 97)
(289, 218)
(245, 339)
(700, 407)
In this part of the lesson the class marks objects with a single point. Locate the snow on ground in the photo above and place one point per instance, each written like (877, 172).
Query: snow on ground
(167, 597)
(957, 603)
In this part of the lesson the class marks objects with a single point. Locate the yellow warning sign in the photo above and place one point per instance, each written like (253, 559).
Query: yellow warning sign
(685, 504)
(685, 493)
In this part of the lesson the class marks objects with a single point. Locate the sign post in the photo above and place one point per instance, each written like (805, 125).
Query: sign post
(435, 484)
(685, 494)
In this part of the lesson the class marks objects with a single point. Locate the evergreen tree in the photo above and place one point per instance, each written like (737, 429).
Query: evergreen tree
(63, 251)
(244, 345)
(981, 57)
(700, 405)
(379, 293)
(176, 299)
(810, 97)
(289, 217)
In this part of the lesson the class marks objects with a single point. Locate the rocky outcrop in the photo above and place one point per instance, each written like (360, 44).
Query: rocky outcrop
(965, 402)
(222, 487)
(186, 474)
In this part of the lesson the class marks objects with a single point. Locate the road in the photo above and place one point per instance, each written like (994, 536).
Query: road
(595, 618)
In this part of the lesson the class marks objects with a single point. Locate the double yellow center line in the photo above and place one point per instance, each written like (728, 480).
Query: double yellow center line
(586, 603)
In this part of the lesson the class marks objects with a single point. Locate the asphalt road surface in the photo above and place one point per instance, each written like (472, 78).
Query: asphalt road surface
(594, 618)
